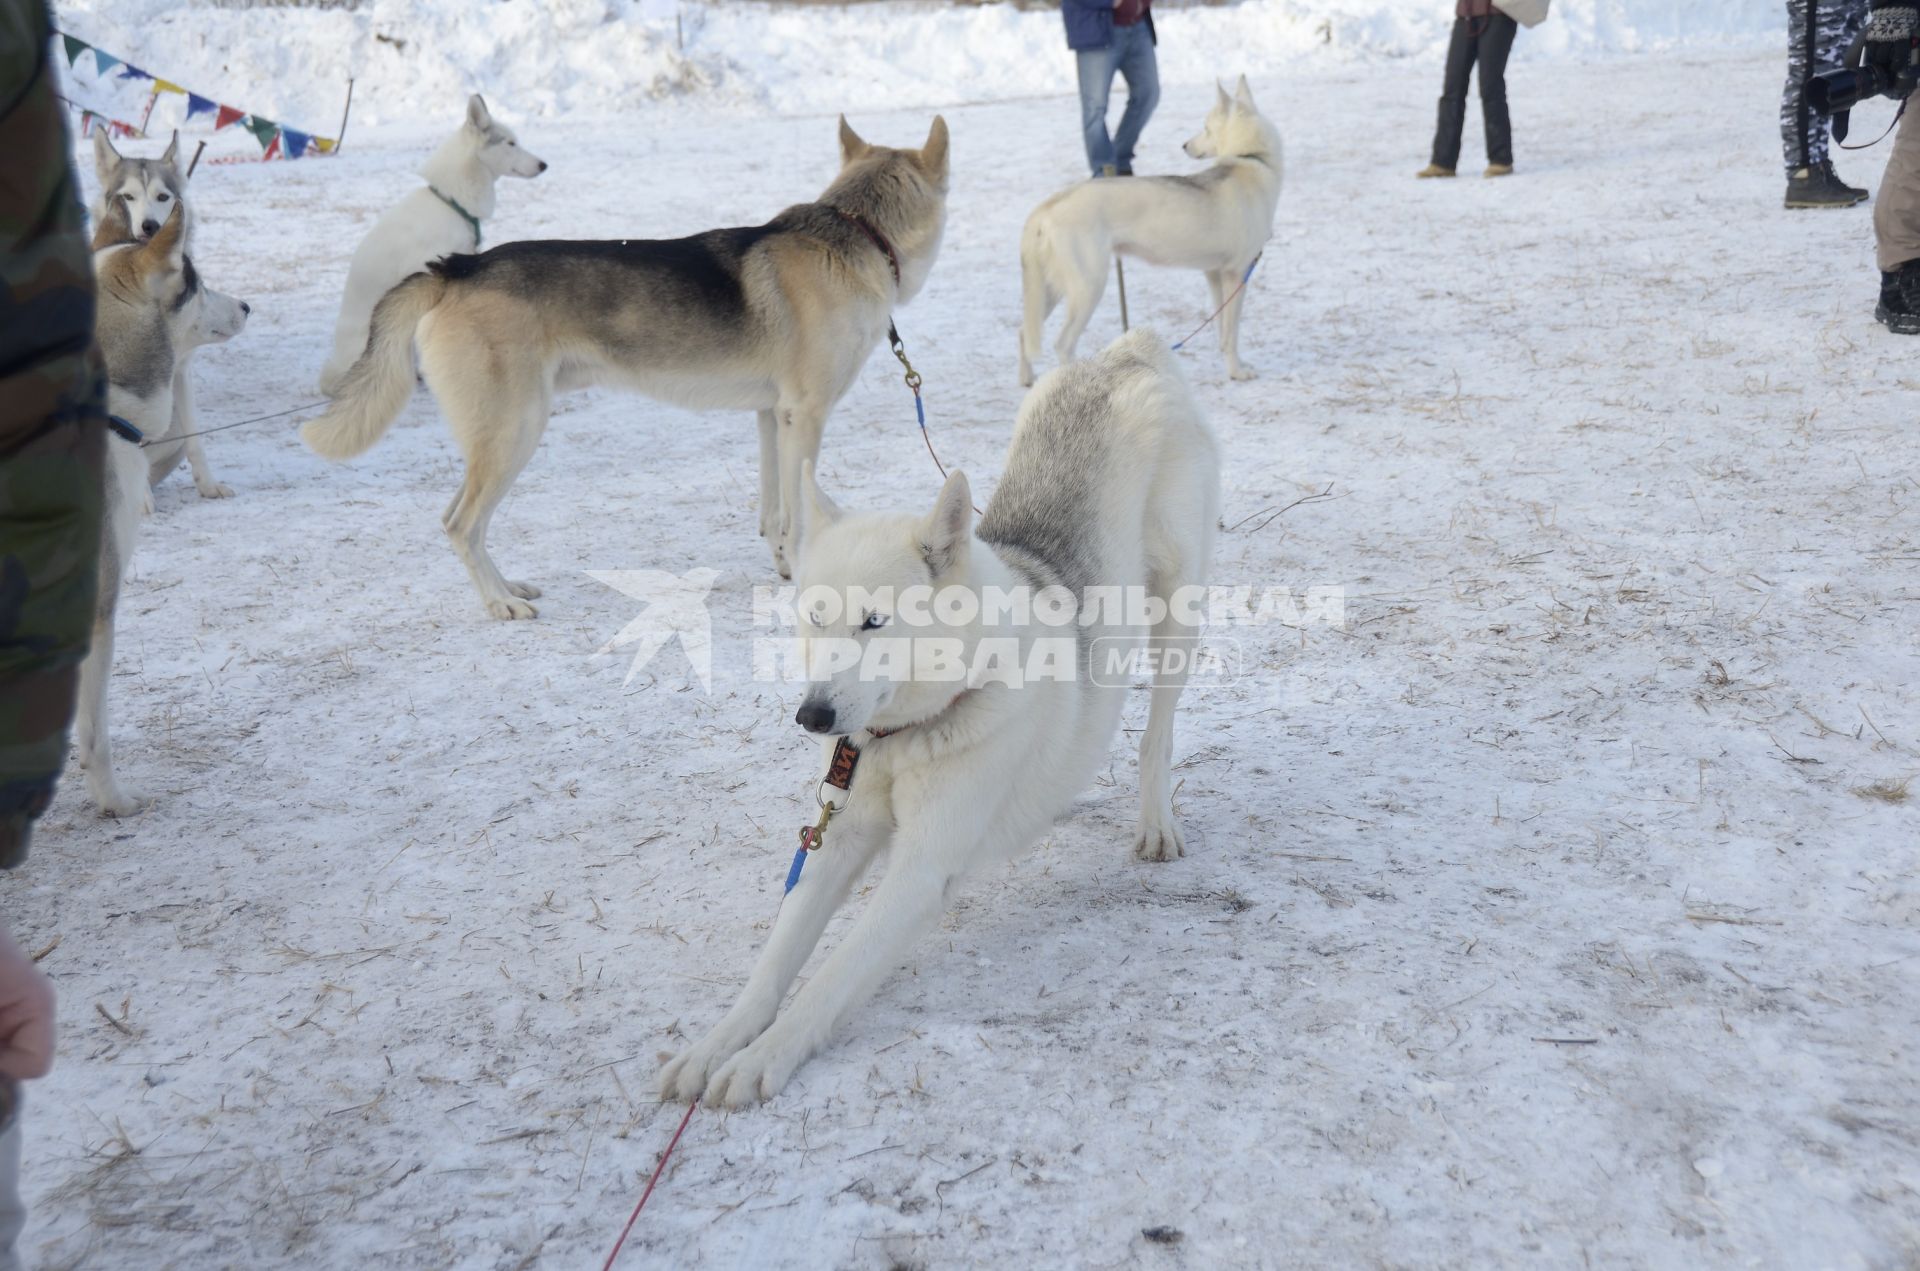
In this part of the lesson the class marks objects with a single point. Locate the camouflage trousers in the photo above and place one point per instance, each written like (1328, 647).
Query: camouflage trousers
(52, 429)
(1818, 33)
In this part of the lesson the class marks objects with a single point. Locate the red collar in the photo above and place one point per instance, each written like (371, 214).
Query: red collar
(879, 239)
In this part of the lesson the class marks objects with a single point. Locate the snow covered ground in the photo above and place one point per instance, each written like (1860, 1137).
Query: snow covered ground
(1563, 909)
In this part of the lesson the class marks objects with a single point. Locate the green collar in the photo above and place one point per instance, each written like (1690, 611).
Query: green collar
(465, 215)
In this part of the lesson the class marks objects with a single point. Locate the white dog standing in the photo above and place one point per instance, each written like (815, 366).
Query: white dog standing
(443, 217)
(153, 311)
(1217, 221)
(1113, 481)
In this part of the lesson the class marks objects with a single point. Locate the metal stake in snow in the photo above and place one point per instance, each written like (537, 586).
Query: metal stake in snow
(634, 1216)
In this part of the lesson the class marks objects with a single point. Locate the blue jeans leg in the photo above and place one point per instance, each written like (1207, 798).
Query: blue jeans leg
(1096, 83)
(1142, 73)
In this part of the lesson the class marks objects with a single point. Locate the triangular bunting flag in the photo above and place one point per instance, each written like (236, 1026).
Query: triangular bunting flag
(104, 62)
(166, 86)
(294, 143)
(273, 148)
(198, 105)
(227, 115)
(263, 130)
(326, 144)
(74, 48)
(129, 71)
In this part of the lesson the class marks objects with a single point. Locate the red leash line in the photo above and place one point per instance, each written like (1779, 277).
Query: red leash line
(657, 1171)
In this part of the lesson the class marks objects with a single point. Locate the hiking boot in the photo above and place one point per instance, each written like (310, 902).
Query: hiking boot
(1499, 169)
(1809, 187)
(1899, 307)
(1833, 179)
(1433, 170)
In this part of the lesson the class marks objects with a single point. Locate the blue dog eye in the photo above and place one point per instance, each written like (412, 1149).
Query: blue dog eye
(874, 622)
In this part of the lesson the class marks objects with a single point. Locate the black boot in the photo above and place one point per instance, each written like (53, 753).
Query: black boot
(1853, 192)
(1899, 307)
(1809, 187)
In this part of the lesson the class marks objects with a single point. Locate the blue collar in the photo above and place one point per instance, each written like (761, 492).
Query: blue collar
(127, 430)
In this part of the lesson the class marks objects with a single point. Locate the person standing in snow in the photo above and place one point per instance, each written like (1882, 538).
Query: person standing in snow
(1893, 47)
(1818, 35)
(1108, 36)
(1480, 33)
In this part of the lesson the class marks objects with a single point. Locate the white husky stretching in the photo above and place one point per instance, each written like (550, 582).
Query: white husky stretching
(440, 218)
(153, 311)
(1217, 220)
(1112, 482)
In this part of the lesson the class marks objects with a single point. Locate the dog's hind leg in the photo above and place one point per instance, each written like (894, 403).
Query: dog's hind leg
(1037, 301)
(829, 874)
(497, 438)
(1086, 283)
(769, 475)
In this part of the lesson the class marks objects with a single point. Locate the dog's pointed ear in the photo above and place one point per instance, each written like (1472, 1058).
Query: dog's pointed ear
(949, 527)
(104, 155)
(851, 147)
(817, 511)
(1243, 97)
(166, 251)
(172, 157)
(933, 155)
(1225, 102)
(478, 116)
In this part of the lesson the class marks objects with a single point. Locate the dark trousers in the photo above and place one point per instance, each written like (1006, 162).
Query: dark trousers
(1486, 40)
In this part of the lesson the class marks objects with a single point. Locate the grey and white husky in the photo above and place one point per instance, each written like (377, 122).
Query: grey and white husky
(775, 318)
(1112, 483)
(137, 198)
(1216, 221)
(152, 311)
(439, 218)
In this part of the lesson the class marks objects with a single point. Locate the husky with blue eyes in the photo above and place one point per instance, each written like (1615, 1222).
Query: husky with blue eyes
(952, 677)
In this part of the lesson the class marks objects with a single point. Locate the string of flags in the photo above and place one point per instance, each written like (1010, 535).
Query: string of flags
(277, 141)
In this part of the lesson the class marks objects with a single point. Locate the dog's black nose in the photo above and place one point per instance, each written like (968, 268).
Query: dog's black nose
(245, 307)
(543, 165)
(149, 228)
(814, 717)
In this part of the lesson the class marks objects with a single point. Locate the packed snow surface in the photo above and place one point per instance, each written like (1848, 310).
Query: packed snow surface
(1562, 908)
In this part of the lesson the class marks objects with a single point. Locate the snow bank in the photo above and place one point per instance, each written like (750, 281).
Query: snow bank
(413, 59)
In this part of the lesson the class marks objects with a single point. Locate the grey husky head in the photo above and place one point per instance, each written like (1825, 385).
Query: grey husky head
(153, 308)
(1234, 128)
(137, 196)
(876, 638)
(494, 144)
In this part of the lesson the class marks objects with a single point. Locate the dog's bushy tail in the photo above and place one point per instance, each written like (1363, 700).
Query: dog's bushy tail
(377, 386)
(1037, 292)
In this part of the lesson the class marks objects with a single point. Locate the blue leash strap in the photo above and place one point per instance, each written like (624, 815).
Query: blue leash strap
(793, 873)
(1244, 278)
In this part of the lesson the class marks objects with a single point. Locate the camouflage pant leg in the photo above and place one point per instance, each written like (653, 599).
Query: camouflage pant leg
(1818, 33)
(52, 429)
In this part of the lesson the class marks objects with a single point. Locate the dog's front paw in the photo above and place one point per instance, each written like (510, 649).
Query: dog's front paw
(210, 489)
(1159, 842)
(1242, 372)
(526, 591)
(781, 558)
(114, 801)
(685, 1077)
(759, 1072)
(509, 608)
